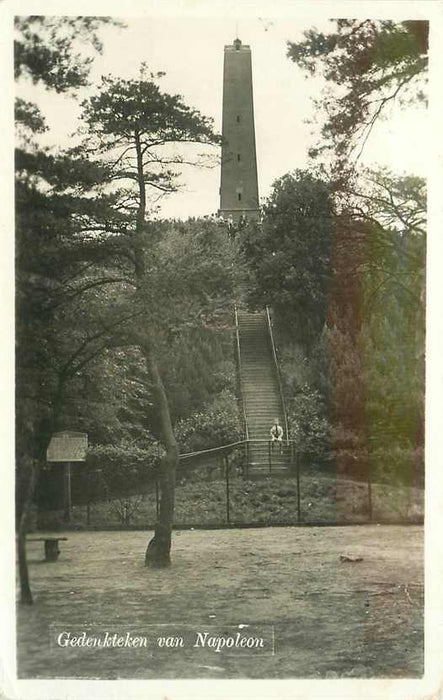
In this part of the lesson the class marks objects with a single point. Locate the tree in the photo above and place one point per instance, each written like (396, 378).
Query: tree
(391, 202)
(290, 253)
(53, 287)
(392, 210)
(130, 125)
(111, 395)
(344, 271)
(369, 64)
(45, 51)
(379, 241)
(93, 239)
(373, 304)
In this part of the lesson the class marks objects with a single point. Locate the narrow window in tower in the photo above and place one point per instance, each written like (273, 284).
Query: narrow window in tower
(239, 196)
(238, 119)
(238, 157)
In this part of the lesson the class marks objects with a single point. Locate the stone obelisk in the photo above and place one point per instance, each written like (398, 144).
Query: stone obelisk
(239, 186)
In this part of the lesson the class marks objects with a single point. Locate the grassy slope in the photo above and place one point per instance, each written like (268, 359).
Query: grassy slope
(323, 499)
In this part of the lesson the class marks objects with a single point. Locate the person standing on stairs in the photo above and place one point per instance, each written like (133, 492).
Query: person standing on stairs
(277, 435)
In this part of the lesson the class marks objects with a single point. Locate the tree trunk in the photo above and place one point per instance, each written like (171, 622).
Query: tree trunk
(25, 588)
(31, 465)
(158, 553)
(139, 255)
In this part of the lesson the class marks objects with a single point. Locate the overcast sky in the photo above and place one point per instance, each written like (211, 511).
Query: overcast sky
(190, 51)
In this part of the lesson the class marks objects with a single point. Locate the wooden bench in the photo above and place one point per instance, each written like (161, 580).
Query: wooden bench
(52, 551)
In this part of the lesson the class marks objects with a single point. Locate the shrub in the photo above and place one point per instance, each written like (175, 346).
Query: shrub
(308, 422)
(218, 423)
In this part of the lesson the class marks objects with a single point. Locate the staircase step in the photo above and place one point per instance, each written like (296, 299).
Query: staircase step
(261, 394)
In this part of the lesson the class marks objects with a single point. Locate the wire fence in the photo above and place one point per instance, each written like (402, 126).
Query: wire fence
(251, 482)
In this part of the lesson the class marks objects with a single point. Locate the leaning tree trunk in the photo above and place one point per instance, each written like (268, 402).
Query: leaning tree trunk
(25, 588)
(32, 465)
(158, 553)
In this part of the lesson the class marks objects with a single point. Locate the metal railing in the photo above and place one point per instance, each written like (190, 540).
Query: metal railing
(265, 468)
(212, 450)
(279, 381)
(239, 370)
(315, 487)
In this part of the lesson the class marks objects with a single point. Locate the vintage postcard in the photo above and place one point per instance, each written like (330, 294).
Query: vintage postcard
(222, 275)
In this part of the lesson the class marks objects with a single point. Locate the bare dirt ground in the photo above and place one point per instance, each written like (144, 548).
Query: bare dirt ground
(329, 618)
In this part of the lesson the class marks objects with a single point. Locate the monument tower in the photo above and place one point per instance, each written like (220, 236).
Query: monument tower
(239, 186)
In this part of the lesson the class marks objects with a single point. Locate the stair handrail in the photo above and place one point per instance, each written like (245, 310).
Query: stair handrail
(220, 448)
(239, 365)
(277, 366)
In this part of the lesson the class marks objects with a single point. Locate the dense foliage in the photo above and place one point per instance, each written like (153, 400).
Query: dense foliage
(341, 259)
(216, 424)
(124, 321)
(345, 277)
(109, 301)
(290, 252)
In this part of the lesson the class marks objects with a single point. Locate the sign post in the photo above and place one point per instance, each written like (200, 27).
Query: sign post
(67, 447)
(67, 492)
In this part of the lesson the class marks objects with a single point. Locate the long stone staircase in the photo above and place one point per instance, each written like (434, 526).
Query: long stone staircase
(260, 389)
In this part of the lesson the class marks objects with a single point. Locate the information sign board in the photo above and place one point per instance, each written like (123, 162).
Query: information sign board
(68, 446)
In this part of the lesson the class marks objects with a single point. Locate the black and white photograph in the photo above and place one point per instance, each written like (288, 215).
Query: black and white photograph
(223, 284)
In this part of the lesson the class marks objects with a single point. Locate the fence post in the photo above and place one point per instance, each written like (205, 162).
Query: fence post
(228, 515)
(67, 492)
(292, 456)
(270, 458)
(369, 494)
(157, 499)
(247, 458)
(248, 464)
(297, 463)
(88, 502)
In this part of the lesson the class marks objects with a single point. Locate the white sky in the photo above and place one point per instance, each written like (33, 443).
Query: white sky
(190, 51)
